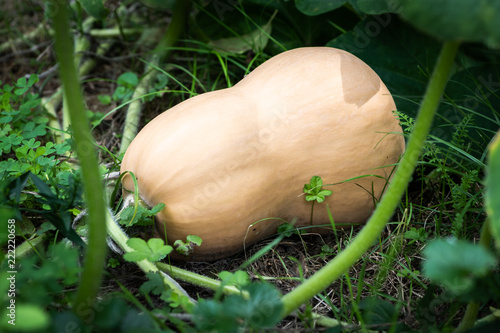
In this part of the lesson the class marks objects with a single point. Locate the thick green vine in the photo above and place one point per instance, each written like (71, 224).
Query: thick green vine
(345, 259)
(85, 150)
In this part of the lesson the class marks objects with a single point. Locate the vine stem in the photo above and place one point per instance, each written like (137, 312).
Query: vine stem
(472, 309)
(171, 272)
(375, 225)
(85, 151)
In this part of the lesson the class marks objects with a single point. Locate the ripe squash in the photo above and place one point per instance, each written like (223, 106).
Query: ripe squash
(223, 160)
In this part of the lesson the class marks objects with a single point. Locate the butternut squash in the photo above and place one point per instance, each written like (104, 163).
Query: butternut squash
(223, 160)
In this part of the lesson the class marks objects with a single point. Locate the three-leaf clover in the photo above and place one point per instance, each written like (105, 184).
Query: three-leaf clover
(313, 190)
(154, 250)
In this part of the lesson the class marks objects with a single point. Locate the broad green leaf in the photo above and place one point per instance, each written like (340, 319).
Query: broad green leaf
(455, 263)
(493, 187)
(464, 20)
(95, 8)
(316, 7)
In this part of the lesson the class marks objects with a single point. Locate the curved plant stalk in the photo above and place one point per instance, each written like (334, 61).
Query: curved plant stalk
(84, 146)
(472, 309)
(163, 48)
(146, 266)
(196, 279)
(372, 230)
(171, 272)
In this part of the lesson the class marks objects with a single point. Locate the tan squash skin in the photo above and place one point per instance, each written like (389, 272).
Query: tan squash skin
(223, 160)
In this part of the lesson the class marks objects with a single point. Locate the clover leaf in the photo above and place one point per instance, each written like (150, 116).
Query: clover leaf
(154, 250)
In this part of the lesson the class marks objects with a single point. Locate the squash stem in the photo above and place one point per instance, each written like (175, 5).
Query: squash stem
(196, 279)
(84, 145)
(171, 272)
(121, 238)
(372, 230)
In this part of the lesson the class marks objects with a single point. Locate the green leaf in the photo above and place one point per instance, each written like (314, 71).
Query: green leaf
(31, 130)
(186, 248)
(493, 187)
(325, 193)
(238, 278)
(95, 8)
(196, 240)
(21, 82)
(104, 99)
(154, 250)
(376, 311)
(32, 80)
(455, 263)
(154, 284)
(261, 309)
(416, 234)
(10, 141)
(141, 248)
(287, 229)
(140, 217)
(316, 7)
(158, 249)
(128, 80)
(314, 191)
(465, 20)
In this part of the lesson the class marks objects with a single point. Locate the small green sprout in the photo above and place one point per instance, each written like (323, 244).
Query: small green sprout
(315, 193)
(186, 248)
